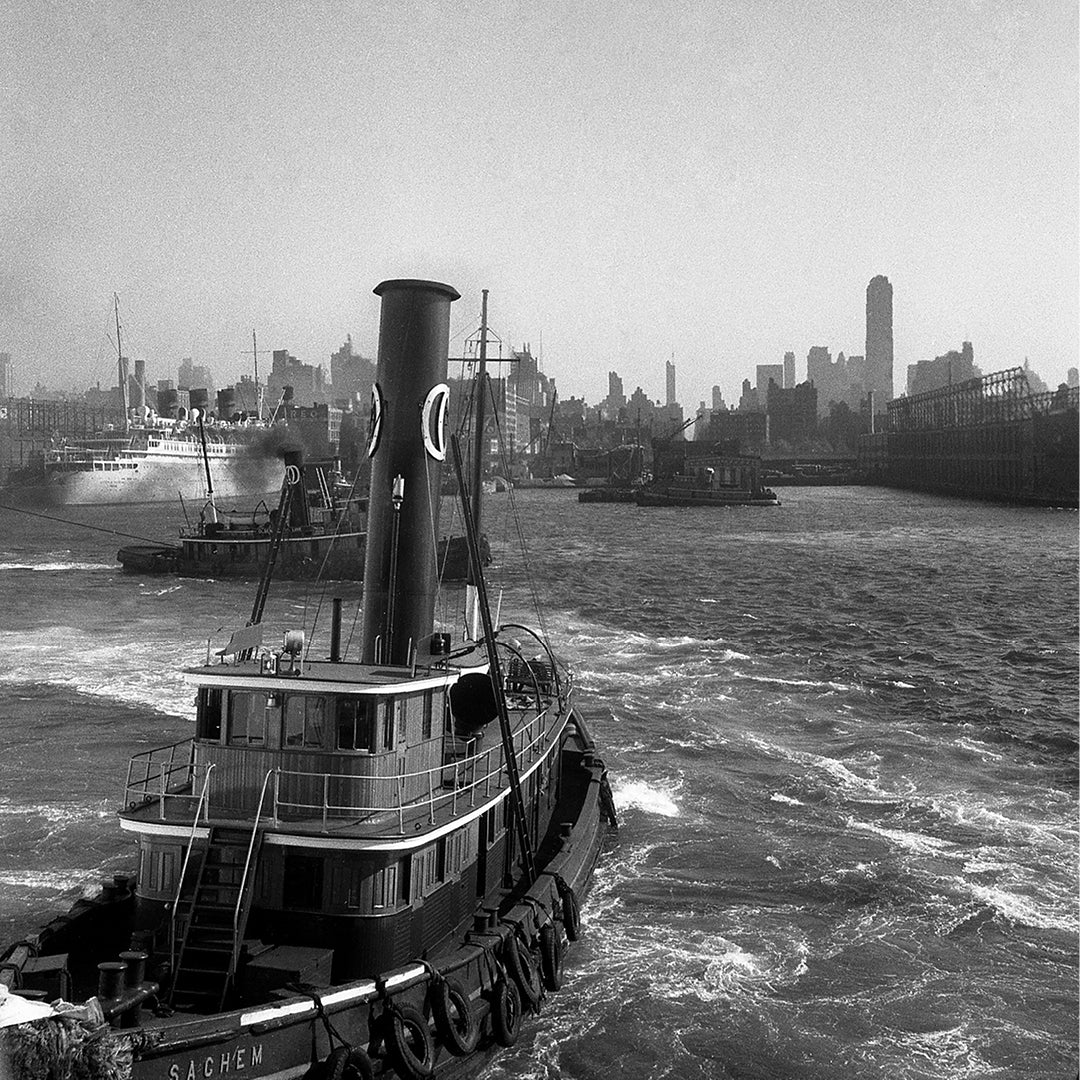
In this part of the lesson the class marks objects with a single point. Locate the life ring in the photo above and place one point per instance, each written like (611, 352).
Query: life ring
(523, 967)
(346, 1063)
(455, 1020)
(410, 1043)
(551, 956)
(506, 1013)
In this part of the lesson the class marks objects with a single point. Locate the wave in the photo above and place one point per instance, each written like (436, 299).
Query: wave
(134, 670)
(812, 684)
(53, 567)
(777, 797)
(48, 880)
(643, 796)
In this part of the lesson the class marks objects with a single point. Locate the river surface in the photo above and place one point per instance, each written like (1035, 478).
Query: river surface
(842, 736)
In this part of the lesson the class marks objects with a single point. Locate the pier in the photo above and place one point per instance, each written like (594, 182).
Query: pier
(986, 438)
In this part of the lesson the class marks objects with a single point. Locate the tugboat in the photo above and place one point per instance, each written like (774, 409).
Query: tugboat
(315, 530)
(353, 868)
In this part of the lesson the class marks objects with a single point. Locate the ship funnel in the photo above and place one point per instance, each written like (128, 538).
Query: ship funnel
(407, 446)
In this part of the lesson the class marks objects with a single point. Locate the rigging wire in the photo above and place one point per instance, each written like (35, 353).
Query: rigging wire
(530, 581)
(80, 524)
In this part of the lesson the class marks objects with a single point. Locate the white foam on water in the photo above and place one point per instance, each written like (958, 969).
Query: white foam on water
(777, 797)
(916, 842)
(815, 684)
(903, 685)
(979, 748)
(650, 798)
(44, 880)
(55, 567)
(135, 670)
(54, 814)
(1027, 910)
(951, 1052)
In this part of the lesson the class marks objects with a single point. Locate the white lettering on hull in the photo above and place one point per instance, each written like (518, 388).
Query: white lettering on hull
(244, 1059)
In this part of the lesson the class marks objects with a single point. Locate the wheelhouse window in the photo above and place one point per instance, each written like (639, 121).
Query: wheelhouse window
(208, 722)
(304, 721)
(429, 706)
(356, 727)
(247, 718)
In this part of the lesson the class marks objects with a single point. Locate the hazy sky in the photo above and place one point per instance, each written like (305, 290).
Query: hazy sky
(711, 179)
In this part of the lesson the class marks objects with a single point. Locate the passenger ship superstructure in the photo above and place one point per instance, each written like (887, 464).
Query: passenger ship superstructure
(155, 460)
(353, 867)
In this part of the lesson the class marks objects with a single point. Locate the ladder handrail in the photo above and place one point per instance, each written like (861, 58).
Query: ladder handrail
(200, 806)
(243, 877)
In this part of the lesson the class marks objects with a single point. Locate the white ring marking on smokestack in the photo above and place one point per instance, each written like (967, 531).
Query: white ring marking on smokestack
(375, 420)
(435, 435)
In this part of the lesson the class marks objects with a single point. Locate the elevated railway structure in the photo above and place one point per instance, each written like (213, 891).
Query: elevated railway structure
(985, 438)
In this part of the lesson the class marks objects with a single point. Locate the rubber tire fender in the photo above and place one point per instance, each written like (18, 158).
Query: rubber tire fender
(459, 1033)
(506, 1013)
(523, 967)
(571, 913)
(403, 1021)
(347, 1063)
(551, 956)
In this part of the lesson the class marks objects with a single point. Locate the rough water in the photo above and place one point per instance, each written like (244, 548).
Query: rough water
(842, 736)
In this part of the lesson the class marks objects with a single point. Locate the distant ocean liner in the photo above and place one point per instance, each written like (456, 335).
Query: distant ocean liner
(154, 464)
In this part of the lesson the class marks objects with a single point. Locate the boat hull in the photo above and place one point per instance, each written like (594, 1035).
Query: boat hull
(283, 1037)
(705, 498)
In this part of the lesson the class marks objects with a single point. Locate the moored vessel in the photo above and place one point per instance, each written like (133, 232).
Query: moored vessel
(154, 461)
(354, 867)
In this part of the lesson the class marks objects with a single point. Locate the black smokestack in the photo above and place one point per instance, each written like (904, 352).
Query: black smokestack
(414, 337)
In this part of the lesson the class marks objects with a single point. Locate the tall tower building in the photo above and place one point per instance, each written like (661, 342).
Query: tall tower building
(7, 376)
(789, 370)
(879, 339)
(670, 383)
(616, 396)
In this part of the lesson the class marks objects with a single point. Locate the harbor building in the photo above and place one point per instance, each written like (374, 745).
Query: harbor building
(769, 373)
(308, 381)
(879, 338)
(946, 370)
(792, 412)
(351, 375)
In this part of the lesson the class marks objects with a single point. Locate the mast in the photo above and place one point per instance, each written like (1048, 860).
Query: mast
(121, 367)
(258, 388)
(206, 466)
(478, 433)
(517, 800)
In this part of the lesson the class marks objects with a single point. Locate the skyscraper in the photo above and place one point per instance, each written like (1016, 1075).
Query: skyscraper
(879, 339)
(670, 383)
(789, 370)
(7, 376)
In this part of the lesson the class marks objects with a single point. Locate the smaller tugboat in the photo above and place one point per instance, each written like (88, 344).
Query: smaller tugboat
(316, 530)
(689, 475)
(352, 868)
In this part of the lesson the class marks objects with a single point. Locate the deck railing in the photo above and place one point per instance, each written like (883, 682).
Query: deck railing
(171, 777)
(166, 775)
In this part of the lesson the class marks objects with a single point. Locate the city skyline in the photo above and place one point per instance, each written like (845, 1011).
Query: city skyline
(713, 184)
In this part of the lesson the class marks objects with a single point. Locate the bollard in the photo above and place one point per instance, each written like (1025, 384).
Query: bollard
(135, 963)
